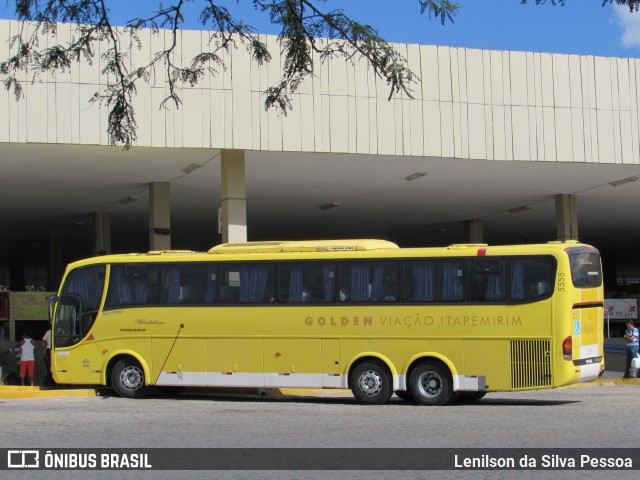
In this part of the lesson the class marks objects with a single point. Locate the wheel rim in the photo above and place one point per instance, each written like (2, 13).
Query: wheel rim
(370, 383)
(132, 378)
(430, 384)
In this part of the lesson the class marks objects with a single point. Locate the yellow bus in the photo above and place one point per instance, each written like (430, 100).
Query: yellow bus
(430, 324)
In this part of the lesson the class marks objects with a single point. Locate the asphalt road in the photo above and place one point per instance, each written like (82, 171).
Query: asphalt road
(584, 417)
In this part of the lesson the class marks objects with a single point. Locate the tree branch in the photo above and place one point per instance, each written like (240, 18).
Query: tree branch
(302, 24)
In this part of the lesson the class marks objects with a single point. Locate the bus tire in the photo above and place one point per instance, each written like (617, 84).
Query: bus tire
(430, 384)
(127, 378)
(371, 383)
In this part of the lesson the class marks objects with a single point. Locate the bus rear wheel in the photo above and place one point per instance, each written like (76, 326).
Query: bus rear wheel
(127, 378)
(431, 384)
(371, 383)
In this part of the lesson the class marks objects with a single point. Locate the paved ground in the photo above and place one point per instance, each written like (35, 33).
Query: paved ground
(583, 417)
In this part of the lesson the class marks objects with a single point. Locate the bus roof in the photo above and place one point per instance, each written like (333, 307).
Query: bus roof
(341, 248)
(304, 246)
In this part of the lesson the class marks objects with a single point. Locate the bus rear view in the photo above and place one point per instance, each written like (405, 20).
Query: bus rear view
(580, 316)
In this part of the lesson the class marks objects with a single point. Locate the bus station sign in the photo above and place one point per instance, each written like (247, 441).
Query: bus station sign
(621, 308)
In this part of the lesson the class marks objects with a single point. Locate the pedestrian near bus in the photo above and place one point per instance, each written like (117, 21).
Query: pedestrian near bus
(28, 359)
(631, 336)
(46, 343)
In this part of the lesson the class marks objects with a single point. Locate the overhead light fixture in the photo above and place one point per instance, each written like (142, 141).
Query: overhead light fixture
(129, 199)
(329, 206)
(192, 167)
(617, 183)
(524, 208)
(413, 176)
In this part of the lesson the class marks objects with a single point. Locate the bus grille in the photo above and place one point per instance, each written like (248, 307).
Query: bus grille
(530, 363)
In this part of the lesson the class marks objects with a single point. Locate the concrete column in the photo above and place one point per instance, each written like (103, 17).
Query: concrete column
(101, 233)
(56, 262)
(234, 197)
(473, 231)
(159, 216)
(566, 217)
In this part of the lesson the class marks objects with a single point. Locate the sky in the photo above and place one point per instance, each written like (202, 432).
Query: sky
(583, 27)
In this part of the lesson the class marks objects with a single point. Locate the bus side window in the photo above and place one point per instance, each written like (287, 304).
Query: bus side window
(247, 283)
(190, 284)
(418, 281)
(306, 282)
(487, 280)
(134, 285)
(438, 280)
(369, 282)
(531, 278)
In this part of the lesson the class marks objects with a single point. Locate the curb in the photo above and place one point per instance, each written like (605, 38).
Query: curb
(43, 392)
(606, 383)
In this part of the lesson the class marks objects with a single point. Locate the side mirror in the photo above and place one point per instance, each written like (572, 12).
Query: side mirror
(52, 300)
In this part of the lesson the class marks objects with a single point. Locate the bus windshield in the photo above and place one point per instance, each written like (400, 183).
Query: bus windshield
(586, 271)
(78, 305)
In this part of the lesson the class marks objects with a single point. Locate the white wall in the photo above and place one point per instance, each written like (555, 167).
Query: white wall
(495, 105)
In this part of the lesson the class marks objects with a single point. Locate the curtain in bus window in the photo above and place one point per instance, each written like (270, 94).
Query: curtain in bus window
(423, 282)
(119, 293)
(296, 292)
(126, 290)
(517, 280)
(496, 288)
(139, 288)
(452, 288)
(80, 284)
(210, 293)
(359, 283)
(253, 282)
(87, 284)
(328, 282)
(174, 276)
(376, 285)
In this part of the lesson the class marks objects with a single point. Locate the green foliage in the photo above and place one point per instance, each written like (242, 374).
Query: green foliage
(302, 23)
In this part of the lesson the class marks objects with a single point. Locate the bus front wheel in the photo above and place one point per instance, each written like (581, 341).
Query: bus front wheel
(430, 384)
(371, 383)
(127, 378)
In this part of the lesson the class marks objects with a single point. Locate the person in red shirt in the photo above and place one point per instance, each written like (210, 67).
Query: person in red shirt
(27, 360)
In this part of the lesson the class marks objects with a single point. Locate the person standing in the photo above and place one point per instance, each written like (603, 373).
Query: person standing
(27, 360)
(46, 343)
(631, 336)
